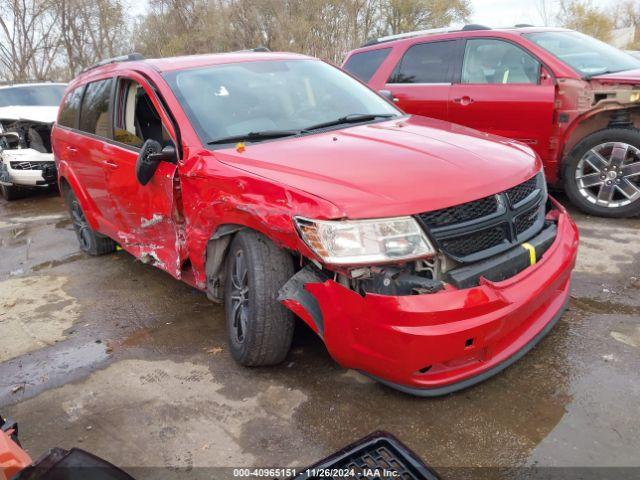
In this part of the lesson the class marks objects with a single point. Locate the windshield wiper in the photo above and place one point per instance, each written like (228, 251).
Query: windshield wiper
(255, 136)
(352, 118)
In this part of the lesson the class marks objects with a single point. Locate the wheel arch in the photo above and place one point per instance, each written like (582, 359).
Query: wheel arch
(66, 183)
(593, 121)
(215, 257)
(588, 190)
(216, 250)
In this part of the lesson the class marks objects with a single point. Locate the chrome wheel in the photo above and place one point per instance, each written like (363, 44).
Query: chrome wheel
(609, 174)
(240, 296)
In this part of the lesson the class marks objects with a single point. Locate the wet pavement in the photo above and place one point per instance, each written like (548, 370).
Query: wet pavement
(118, 358)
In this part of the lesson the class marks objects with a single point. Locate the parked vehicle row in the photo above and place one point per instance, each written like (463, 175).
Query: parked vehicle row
(573, 99)
(282, 186)
(420, 244)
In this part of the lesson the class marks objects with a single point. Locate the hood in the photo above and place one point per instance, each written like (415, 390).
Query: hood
(626, 77)
(397, 167)
(33, 114)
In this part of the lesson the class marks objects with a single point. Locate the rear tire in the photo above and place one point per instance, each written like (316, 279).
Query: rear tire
(259, 328)
(90, 241)
(602, 173)
(10, 193)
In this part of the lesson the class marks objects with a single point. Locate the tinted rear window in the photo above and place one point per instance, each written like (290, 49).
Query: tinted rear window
(94, 113)
(364, 65)
(426, 63)
(70, 108)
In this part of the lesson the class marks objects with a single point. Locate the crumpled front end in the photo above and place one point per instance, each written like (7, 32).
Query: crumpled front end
(26, 158)
(439, 341)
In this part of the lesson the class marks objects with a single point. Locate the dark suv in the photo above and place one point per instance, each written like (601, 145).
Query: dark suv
(573, 99)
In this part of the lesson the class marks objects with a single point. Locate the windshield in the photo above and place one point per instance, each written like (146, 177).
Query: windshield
(231, 100)
(583, 53)
(32, 96)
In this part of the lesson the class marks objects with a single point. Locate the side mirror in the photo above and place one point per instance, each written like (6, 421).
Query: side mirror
(388, 95)
(545, 77)
(150, 156)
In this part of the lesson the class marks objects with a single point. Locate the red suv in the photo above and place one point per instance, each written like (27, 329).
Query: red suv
(424, 254)
(573, 99)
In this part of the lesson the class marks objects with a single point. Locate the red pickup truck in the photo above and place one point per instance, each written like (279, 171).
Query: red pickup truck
(573, 99)
(425, 254)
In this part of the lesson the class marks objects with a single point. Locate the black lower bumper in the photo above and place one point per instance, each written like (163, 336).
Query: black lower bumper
(502, 266)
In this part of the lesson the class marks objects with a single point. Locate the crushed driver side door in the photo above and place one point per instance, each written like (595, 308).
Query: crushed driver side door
(149, 217)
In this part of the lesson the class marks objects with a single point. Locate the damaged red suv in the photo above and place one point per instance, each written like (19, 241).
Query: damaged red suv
(574, 99)
(424, 254)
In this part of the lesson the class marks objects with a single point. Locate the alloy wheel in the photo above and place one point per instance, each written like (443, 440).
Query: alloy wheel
(240, 296)
(80, 225)
(609, 174)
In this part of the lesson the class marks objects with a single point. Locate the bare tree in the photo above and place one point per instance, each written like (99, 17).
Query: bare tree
(407, 15)
(323, 28)
(29, 39)
(546, 12)
(581, 15)
(90, 31)
(628, 14)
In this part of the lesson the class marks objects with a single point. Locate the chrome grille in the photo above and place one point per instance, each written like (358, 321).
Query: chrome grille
(26, 165)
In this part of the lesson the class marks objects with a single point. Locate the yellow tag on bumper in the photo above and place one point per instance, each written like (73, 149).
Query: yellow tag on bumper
(532, 252)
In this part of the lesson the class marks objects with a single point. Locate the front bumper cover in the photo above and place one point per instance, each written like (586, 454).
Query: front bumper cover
(437, 343)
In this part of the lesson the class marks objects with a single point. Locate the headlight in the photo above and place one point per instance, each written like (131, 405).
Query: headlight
(357, 242)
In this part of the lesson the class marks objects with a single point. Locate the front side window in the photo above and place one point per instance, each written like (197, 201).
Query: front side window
(364, 65)
(32, 96)
(493, 61)
(271, 95)
(583, 53)
(94, 112)
(425, 63)
(70, 108)
(135, 117)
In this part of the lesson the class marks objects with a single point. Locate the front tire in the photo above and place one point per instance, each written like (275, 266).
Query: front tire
(11, 192)
(602, 173)
(90, 241)
(259, 328)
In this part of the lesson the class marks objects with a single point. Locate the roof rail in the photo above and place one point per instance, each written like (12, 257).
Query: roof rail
(256, 49)
(132, 57)
(475, 26)
(523, 25)
(431, 31)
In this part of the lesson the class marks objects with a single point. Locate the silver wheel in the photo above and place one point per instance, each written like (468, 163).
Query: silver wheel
(609, 174)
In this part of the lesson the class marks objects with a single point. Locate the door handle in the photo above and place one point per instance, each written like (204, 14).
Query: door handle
(110, 164)
(466, 100)
(72, 150)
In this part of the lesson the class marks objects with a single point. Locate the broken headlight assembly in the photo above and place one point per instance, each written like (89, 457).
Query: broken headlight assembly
(365, 242)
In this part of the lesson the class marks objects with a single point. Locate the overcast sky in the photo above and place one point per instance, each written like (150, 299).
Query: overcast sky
(502, 13)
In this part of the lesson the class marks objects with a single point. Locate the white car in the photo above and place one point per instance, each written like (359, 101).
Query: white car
(27, 113)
